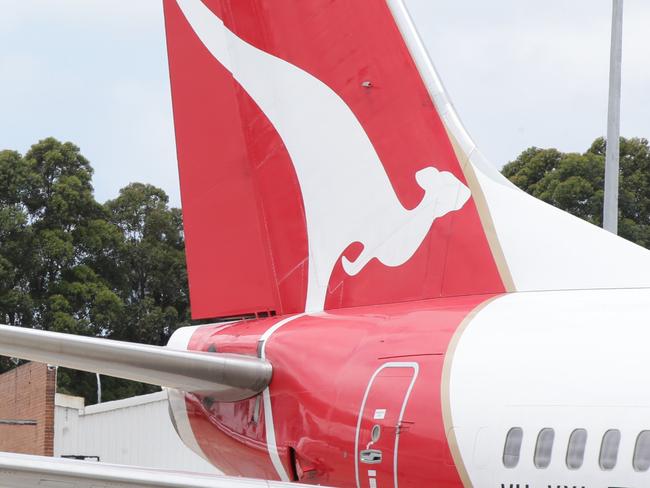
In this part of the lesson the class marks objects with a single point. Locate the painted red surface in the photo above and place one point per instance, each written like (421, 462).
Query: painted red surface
(247, 251)
(322, 367)
(247, 245)
(246, 242)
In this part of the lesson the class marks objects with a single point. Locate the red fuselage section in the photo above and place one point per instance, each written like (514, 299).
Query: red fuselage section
(338, 376)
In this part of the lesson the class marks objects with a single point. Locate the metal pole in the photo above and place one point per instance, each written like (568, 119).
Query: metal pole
(610, 206)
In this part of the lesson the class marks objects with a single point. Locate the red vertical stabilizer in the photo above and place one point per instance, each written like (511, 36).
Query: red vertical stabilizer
(315, 170)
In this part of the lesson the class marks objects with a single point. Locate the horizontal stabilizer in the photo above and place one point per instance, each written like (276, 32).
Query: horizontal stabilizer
(37, 471)
(226, 377)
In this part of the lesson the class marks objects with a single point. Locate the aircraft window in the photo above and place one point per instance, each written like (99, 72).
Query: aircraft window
(642, 452)
(609, 449)
(544, 448)
(575, 454)
(512, 447)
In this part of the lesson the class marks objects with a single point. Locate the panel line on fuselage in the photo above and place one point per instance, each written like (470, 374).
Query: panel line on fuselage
(416, 369)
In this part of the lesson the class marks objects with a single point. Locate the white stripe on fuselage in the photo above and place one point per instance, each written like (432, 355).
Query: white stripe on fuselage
(271, 441)
(180, 340)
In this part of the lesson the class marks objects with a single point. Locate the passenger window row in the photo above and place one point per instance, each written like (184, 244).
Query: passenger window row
(575, 451)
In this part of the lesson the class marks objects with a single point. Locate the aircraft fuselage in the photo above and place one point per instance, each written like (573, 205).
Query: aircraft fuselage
(523, 389)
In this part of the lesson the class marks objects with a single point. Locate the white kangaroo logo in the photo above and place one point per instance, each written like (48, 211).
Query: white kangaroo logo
(347, 194)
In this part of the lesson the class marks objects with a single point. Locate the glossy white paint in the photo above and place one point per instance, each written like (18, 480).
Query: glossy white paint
(548, 249)
(180, 339)
(329, 149)
(564, 360)
(544, 248)
(271, 442)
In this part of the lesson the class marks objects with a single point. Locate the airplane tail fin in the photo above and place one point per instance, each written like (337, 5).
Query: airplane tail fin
(323, 166)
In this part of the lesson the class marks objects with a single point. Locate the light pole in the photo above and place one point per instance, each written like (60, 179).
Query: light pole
(610, 206)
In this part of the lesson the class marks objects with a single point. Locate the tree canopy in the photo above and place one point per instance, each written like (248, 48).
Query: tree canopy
(574, 182)
(71, 264)
(117, 269)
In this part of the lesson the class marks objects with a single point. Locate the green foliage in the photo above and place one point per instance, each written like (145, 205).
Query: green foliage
(71, 264)
(152, 270)
(574, 182)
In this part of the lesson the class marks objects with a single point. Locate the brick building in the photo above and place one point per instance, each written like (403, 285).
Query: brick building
(27, 409)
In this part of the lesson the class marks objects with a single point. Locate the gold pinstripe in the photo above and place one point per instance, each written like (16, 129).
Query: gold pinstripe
(445, 393)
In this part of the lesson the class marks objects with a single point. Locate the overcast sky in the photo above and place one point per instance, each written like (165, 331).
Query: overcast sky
(520, 73)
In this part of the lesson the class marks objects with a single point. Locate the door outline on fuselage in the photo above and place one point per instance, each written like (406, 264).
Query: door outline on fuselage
(397, 364)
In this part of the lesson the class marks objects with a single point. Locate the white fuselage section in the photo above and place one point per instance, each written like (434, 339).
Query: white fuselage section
(553, 360)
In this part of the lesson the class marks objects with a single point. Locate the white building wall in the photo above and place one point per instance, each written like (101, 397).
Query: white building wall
(135, 431)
